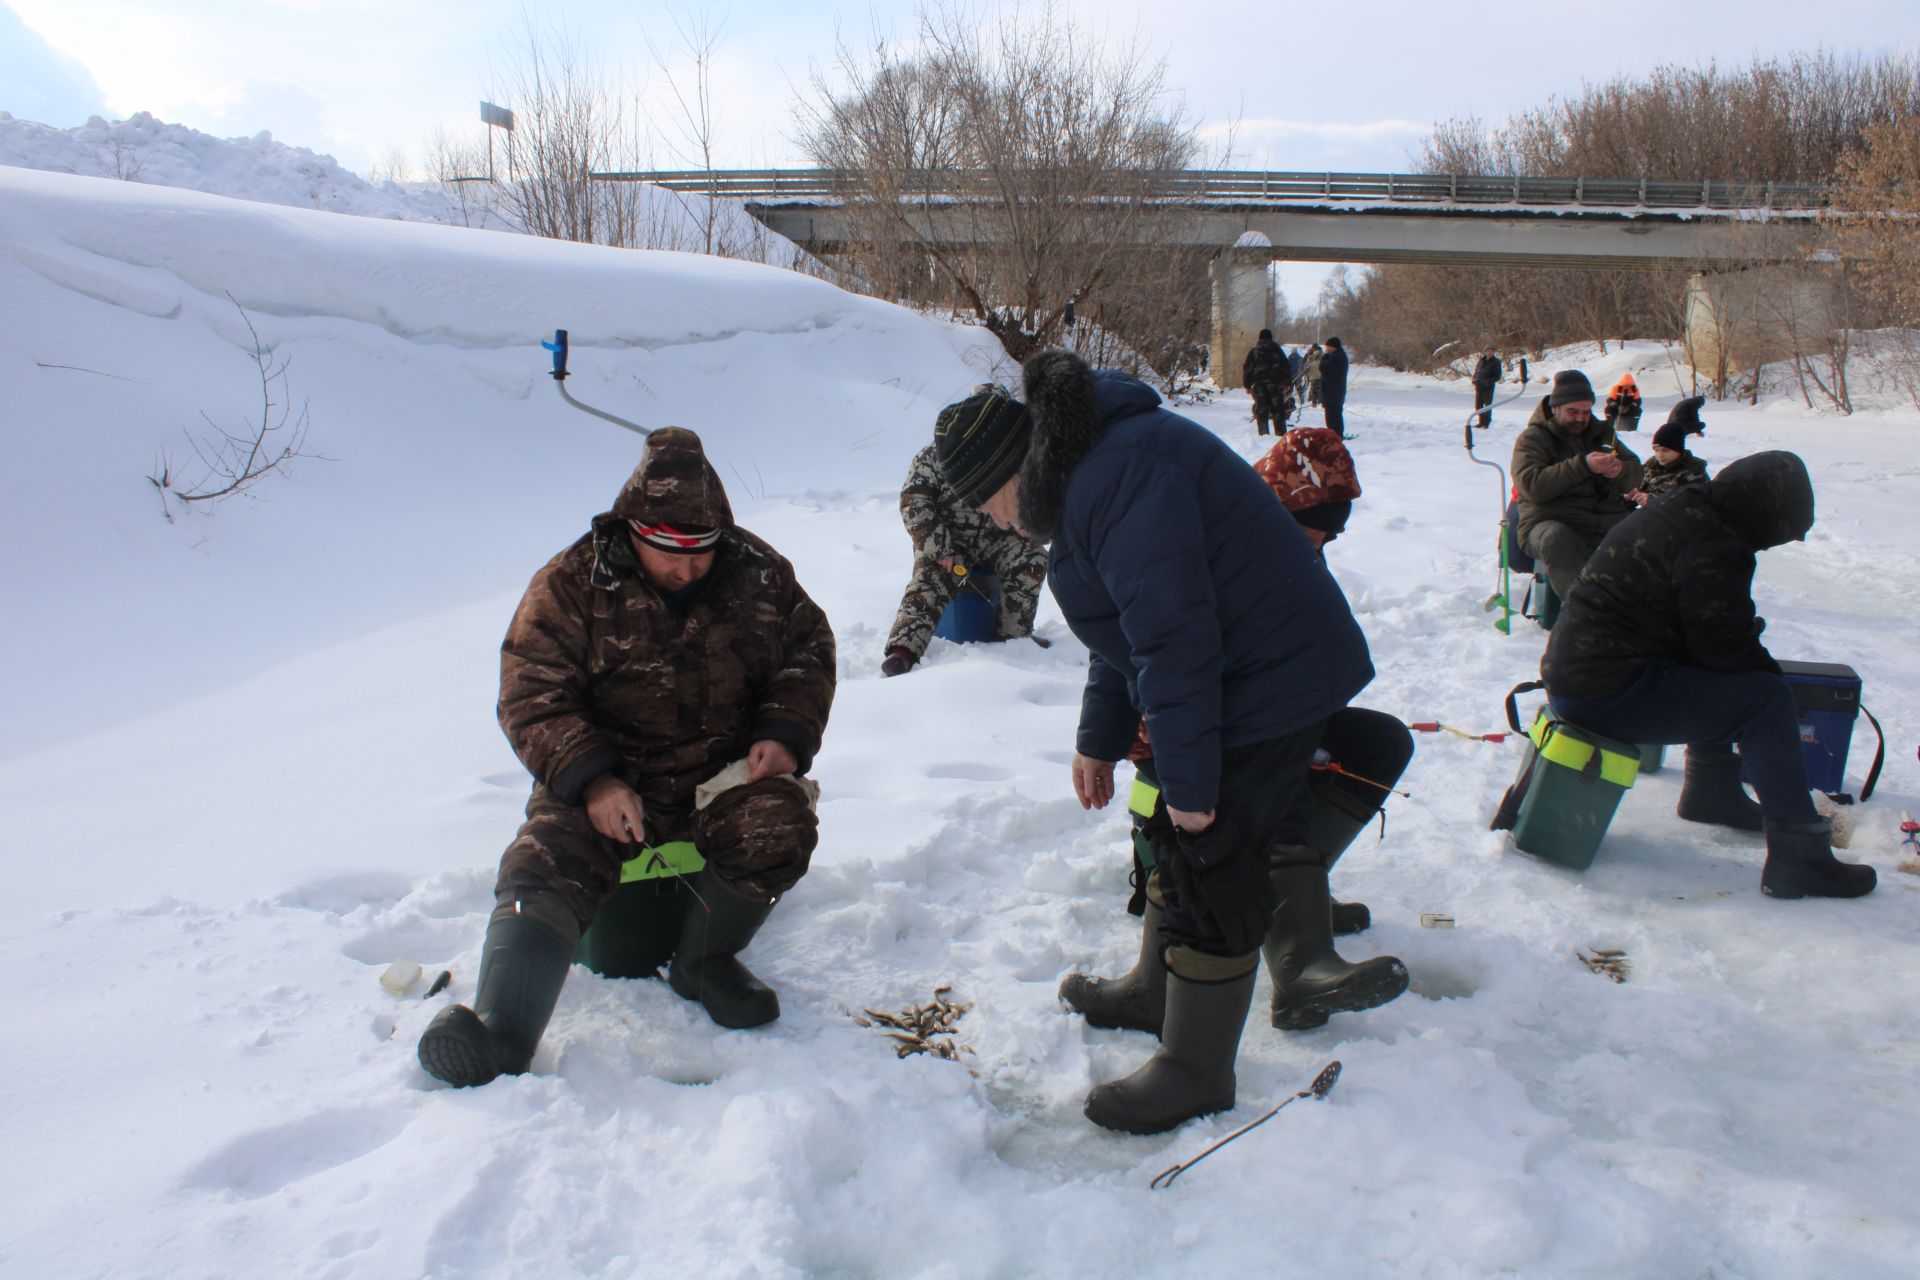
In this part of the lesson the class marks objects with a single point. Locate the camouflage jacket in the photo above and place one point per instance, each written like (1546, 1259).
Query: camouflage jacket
(1266, 366)
(1664, 477)
(599, 673)
(1550, 475)
(1675, 583)
(937, 521)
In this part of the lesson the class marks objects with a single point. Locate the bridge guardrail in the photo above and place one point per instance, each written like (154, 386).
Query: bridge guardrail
(1205, 186)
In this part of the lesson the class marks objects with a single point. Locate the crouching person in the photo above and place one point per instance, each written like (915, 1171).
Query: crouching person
(1658, 643)
(664, 646)
(1205, 609)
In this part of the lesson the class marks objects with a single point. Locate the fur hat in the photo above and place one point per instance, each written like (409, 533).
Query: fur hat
(980, 442)
(1570, 386)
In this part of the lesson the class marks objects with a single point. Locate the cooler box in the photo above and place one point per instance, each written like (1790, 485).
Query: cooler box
(969, 619)
(1827, 696)
(1569, 786)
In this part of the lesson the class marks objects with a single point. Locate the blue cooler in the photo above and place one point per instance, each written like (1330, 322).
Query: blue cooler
(969, 619)
(1827, 696)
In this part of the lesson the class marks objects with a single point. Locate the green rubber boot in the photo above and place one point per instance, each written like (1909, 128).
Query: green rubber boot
(1191, 1073)
(523, 965)
(706, 965)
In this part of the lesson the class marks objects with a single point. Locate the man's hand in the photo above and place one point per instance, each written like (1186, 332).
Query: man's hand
(946, 562)
(615, 810)
(1638, 497)
(1092, 781)
(1602, 462)
(766, 758)
(1191, 823)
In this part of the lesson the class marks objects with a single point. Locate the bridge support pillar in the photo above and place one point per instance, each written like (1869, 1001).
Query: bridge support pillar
(1242, 307)
(1740, 319)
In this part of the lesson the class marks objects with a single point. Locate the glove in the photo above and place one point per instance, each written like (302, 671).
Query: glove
(1222, 885)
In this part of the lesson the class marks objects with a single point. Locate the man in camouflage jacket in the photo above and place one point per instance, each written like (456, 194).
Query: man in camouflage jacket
(947, 535)
(1268, 378)
(1572, 476)
(663, 646)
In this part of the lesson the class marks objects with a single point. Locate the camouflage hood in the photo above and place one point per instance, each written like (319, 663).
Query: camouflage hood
(1768, 496)
(675, 485)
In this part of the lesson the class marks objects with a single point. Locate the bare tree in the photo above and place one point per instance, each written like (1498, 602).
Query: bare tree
(1876, 226)
(231, 462)
(1060, 147)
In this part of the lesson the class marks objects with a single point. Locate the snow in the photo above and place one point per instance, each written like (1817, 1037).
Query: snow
(251, 760)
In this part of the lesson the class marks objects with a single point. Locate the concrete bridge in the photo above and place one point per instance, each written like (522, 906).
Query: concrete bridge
(1251, 219)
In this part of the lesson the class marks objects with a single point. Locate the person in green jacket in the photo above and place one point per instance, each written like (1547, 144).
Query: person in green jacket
(1572, 477)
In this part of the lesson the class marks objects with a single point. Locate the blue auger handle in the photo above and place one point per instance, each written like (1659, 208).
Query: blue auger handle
(559, 348)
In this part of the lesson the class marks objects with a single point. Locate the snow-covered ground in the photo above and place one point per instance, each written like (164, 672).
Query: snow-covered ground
(250, 759)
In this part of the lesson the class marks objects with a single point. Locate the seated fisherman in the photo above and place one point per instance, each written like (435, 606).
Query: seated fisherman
(1572, 476)
(663, 647)
(1672, 466)
(1658, 642)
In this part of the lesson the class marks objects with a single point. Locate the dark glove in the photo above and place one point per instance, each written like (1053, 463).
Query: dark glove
(1222, 884)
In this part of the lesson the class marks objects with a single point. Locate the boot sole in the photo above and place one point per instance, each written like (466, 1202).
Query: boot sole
(1370, 993)
(456, 1050)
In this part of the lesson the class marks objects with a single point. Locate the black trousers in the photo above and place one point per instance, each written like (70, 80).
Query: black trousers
(1258, 784)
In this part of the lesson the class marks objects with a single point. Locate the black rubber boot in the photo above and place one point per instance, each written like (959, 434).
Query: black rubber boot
(1310, 980)
(1191, 1073)
(1800, 864)
(1350, 918)
(706, 965)
(1134, 1001)
(1711, 792)
(523, 965)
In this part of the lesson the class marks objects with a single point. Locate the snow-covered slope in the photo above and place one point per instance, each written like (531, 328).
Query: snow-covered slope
(250, 759)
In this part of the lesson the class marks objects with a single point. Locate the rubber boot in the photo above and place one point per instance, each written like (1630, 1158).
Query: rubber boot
(1376, 746)
(1800, 864)
(1712, 792)
(1191, 1073)
(706, 965)
(523, 965)
(1137, 999)
(1310, 980)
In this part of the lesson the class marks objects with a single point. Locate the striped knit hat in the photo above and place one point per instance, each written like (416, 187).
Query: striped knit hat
(981, 442)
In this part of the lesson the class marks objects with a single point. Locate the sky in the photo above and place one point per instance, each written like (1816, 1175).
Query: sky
(1306, 87)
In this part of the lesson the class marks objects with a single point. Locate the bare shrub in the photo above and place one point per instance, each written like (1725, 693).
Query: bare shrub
(1062, 144)
(233, 462)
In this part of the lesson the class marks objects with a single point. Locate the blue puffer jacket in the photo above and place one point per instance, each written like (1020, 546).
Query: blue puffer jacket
(1333, 375)
(1199, 600)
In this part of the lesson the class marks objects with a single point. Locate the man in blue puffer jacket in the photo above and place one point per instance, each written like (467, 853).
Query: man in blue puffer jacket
(1203, 607)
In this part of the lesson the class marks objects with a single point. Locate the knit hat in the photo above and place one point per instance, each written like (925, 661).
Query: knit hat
(674, 501)
(1686, 414)
(981, 442)
(1570, 386)
(1266, 335)
(1334, 344)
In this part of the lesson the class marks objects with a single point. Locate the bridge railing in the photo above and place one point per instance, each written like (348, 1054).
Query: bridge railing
(1205, 186)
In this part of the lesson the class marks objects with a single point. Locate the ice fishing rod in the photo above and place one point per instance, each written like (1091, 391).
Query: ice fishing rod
(559, 348)
(1321, 1086)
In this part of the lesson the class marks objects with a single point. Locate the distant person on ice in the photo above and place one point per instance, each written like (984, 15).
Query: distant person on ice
(1658, 642)
(1310, 375)
(1573, 477)
(664, 646)
(1268, 378)
(1205, 609)
(1623, 405)
(1333, 387)
(1486, 375)
(951, 538)
(1672, 466)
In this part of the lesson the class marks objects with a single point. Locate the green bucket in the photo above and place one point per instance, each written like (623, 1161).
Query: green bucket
(639, 926)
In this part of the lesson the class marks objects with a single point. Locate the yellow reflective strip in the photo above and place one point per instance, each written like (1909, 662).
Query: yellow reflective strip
(1571, 753)
(656, 862)
(1143, 797)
